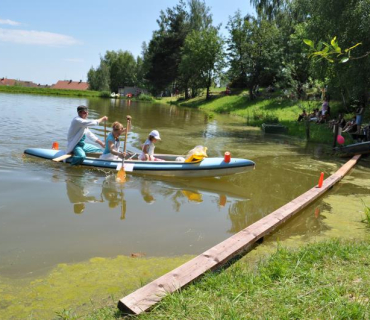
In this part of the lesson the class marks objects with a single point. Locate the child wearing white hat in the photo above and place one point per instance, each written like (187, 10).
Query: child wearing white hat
(148, 147)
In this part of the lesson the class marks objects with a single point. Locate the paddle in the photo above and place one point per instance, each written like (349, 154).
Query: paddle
(105, 131)
(63, 157)
(121, 175)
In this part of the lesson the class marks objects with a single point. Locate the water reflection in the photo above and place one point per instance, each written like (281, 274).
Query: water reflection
(78, 193)
(113, 193)
(83, 189)
(146, 192)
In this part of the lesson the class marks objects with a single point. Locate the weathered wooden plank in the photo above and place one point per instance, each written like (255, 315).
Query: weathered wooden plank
(145, 297)
(63, 157)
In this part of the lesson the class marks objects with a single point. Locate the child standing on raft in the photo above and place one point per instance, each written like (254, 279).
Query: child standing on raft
(148, 147)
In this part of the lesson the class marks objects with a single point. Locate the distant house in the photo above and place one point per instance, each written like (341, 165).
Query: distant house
(7, 82)
(133, 91)
(70, 85)
(28, 84)
(13, 82)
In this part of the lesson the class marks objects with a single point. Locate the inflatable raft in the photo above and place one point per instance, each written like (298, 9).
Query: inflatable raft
(169, 167)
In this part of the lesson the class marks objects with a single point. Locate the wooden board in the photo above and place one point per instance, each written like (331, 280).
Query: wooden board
(63, 157)
(145, 297)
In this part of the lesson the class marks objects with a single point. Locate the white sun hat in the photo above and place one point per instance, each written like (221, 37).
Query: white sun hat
(155, 134)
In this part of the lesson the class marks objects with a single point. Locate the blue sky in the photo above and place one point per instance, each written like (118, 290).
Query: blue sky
(47, 41)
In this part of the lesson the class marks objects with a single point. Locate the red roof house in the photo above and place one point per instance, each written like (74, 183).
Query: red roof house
(13, 82)
(7, 82)
(71, 85)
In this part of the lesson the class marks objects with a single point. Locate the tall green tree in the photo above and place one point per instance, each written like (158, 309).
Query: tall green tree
(200, 16)
(164, 52)
(116, 69)
(253, 50)
(269, 8)
(123, 71)
(163, 55)
(203, 59)
(349, 21)
(99, 78)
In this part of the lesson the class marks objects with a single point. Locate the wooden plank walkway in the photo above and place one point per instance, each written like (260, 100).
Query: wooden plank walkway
(144, 298)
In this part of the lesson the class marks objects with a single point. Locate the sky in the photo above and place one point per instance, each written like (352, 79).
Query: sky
(46, 41)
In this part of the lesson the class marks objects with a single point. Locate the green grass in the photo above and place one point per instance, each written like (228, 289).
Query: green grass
(49, 91)
(78, 93)
(268, 108)
(322, 281)
(366, 214)
(145, 97)
(326, 280)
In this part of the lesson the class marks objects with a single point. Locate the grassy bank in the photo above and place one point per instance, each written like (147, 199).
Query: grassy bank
(322, 281)
(268, 108)
(75, 93)
(291, 279)
(49, 91)
(326, 280)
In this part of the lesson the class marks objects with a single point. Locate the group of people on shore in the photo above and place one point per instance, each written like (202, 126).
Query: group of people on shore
(318, 116)
(79, 131)
(351, 126)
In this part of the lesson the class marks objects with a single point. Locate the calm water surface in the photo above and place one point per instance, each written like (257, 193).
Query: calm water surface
(52, 213)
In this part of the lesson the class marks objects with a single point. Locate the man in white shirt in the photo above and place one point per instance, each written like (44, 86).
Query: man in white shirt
(77, 134)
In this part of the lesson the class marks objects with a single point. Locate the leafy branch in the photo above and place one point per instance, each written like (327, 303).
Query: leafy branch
(332, 52)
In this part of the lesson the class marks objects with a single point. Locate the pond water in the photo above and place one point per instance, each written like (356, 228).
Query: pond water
(54, 215)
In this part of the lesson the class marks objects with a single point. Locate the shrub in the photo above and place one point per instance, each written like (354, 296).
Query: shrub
(104, 94)
(145, 97)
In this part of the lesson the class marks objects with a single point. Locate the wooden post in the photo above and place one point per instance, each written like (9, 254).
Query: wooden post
(306, 120)
(144, 298)
(336, 128)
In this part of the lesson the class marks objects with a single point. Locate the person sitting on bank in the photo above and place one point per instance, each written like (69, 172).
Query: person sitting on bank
(302, 116)
(112, 144)
(359, 113)
(325, 112)
(340, 123)
(351, 126)
(315, 115)
(77, 133)
(325, 105)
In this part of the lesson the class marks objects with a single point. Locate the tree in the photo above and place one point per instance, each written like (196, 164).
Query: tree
(202, 59)
(163, 55)
(269, 8)
(116, 69)
(123, 71)
(200, 17)
(253, 51)
(348, 20)
(99, 79)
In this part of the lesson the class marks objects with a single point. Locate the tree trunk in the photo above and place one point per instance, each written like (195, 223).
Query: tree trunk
(186, 93)
(343, 99)
(193, 92)
(251, 95)
(208, 86)
(307, 126)
(336, 127)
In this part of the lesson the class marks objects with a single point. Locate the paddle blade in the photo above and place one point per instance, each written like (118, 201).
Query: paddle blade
(121, 175)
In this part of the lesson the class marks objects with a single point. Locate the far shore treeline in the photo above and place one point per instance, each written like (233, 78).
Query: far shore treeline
(187, 53)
